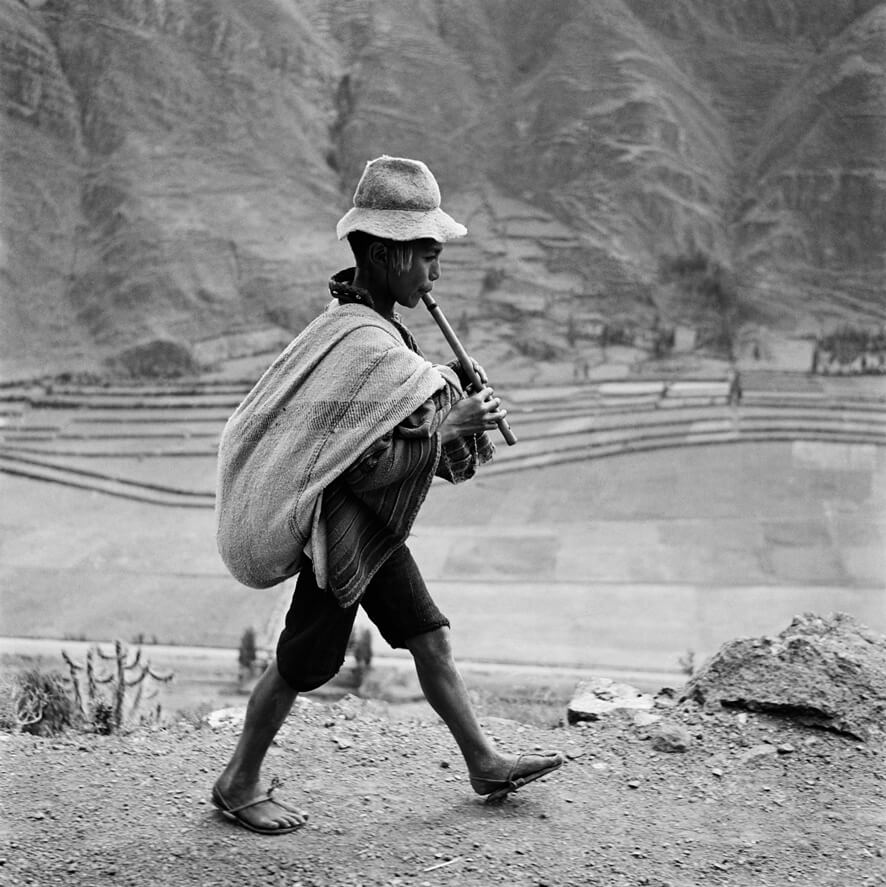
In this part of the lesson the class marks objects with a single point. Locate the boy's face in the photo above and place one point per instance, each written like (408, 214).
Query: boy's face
(407, 287)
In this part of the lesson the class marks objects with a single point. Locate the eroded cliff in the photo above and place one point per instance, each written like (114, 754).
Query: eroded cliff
(174, 170)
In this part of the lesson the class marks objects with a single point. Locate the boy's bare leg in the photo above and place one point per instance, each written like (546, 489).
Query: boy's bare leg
(270, 703)
(446, 692)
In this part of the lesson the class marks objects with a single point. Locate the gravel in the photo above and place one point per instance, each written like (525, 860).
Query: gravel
(749, 800)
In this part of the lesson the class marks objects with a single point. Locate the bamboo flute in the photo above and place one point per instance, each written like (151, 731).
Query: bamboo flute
(464, 359)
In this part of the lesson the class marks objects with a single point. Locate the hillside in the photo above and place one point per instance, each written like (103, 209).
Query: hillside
(173, 171)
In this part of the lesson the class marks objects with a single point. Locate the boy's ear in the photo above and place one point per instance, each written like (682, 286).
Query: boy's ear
(377, 253)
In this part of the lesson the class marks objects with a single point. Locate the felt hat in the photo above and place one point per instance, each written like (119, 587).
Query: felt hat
(399, 199)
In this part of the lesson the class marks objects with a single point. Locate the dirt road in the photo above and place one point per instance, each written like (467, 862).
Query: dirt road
(752, 802)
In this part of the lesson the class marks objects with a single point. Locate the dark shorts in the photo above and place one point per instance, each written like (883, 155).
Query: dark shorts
(314, 640)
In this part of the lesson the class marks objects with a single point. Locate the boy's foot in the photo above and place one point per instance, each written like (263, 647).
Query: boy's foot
(259, 812)
(524, 769)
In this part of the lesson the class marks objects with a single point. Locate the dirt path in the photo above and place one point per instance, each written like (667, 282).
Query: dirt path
(753, 801)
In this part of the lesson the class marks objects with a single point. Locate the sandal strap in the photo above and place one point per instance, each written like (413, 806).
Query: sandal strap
(510, 778)
(517, 781)
(253, 803)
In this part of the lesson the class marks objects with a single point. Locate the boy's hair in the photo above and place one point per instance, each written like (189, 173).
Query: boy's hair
(400, 252)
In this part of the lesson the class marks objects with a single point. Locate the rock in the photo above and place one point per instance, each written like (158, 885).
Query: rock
(227, 717)
(758, 751)
(671, 737)
(601, 696)
(827, 672)
(666, 697)
(645, 719)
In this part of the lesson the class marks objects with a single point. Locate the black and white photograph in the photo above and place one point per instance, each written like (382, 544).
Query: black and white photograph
(443, 443)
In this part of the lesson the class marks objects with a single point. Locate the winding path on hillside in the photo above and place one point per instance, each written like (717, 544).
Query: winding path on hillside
(158, 444)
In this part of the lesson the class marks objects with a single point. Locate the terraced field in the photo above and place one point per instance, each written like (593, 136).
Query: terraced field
(633, 521)
(158, 444)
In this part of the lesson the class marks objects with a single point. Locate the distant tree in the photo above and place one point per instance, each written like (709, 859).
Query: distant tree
(714, 287)
(571, 331)
(852, 349)
(247, 653)
(493, 279)
(360, 644)
(663, 341)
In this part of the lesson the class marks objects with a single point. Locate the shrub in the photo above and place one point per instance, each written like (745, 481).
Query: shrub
(8, 721)
(157, 359)
(42, 704)
(492, 279)
(247, 653)
(101, 716)
(687, 663)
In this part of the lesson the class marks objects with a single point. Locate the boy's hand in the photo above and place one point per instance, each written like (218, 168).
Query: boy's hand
(481, 373)
(472, 415)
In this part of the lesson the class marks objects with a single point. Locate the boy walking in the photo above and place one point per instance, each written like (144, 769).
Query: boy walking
(322, 471)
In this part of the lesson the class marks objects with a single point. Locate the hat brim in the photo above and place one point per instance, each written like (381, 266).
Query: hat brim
(400, 224)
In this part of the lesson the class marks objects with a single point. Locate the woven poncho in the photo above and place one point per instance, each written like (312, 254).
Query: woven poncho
(346, 381)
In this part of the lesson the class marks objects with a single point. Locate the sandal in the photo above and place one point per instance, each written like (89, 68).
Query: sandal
(497, 789)
(234, 813)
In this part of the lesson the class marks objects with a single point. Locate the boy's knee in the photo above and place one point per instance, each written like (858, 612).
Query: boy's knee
(431, 646)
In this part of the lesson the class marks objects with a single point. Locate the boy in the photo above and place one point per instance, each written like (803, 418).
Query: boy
(322, 471)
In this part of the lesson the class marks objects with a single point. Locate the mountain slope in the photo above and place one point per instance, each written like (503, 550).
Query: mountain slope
(174, 170)
(814, 227)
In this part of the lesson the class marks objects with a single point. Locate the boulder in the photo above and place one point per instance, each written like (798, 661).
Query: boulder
(670, 737)
(827, 672)
(600, 696)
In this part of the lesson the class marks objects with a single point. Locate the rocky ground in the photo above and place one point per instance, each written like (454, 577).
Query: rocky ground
(716, 797)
